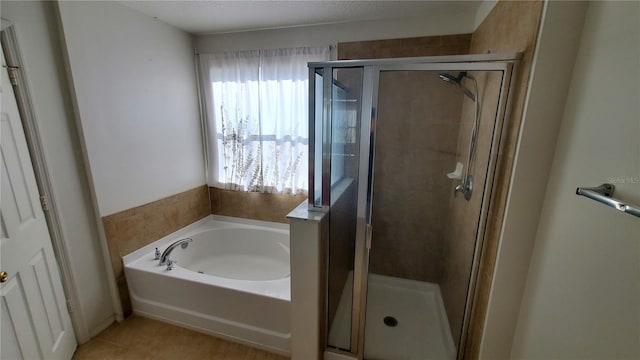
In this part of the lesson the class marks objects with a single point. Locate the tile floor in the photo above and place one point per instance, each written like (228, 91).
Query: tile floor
(139, 338)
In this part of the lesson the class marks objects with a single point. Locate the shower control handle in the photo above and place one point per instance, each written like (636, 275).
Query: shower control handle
(466, 187)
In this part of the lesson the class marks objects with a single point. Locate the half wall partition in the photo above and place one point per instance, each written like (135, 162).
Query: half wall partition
(402, 158)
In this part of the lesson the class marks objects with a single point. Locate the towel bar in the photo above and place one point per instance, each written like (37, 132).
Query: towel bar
(603, 194)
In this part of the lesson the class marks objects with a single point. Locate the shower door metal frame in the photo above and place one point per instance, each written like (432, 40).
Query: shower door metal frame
(506, 63)
(378, 65)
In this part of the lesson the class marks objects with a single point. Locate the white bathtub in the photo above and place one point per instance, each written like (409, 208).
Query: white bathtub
(231, 281)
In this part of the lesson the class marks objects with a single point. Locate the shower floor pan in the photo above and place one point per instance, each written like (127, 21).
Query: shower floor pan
(421, 328)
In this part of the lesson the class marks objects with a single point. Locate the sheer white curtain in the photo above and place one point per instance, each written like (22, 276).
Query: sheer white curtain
(257, 118)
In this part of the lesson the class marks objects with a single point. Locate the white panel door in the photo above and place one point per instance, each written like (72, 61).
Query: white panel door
(34, 320)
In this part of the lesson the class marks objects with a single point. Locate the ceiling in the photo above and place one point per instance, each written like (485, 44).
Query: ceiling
(210, 17)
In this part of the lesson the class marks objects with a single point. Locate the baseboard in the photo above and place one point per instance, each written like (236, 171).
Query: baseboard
(102, 326)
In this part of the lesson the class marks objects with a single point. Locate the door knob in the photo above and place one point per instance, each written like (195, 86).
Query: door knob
(3, 276)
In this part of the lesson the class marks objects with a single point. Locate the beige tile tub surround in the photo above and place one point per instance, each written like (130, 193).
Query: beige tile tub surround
(253, 205)
(132, 229)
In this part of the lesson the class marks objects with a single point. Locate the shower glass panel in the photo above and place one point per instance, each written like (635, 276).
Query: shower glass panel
(346, 106)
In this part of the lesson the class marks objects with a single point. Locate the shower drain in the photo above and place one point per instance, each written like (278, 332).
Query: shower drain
(390, 321)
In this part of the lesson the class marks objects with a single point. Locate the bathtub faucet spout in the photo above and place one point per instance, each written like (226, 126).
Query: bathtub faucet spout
(183, 243)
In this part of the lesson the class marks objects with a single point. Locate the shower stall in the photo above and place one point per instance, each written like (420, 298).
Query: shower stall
(402, 157)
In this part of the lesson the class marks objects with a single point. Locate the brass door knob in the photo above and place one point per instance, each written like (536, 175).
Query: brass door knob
(3, 276)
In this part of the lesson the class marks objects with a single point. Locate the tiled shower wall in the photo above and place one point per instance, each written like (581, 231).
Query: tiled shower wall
(464, 216)
(416, 139)
(511, 26)
(408, 47)
(416, 146)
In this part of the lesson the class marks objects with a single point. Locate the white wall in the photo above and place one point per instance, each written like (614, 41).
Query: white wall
(483, 10)
(554, 58)
(134, 80)
(330, 34)
(582, 296)
(37, 34)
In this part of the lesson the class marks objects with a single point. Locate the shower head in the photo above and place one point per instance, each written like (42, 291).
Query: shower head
(457, 81)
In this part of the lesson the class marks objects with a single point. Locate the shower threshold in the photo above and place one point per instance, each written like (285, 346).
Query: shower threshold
(405, 320)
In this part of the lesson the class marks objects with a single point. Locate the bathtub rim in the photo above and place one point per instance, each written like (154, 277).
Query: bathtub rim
(142, 259)
(189, 229)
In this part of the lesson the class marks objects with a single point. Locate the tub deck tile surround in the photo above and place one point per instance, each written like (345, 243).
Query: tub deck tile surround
(131, 229)
(134, 228)
(253, 205)
(139, 338)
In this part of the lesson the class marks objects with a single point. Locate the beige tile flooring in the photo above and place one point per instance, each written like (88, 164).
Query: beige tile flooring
(139, 338)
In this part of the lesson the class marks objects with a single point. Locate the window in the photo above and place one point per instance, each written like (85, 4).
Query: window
(257, 118)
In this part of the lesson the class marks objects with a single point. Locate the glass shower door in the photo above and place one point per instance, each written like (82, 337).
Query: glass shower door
(425, 229)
